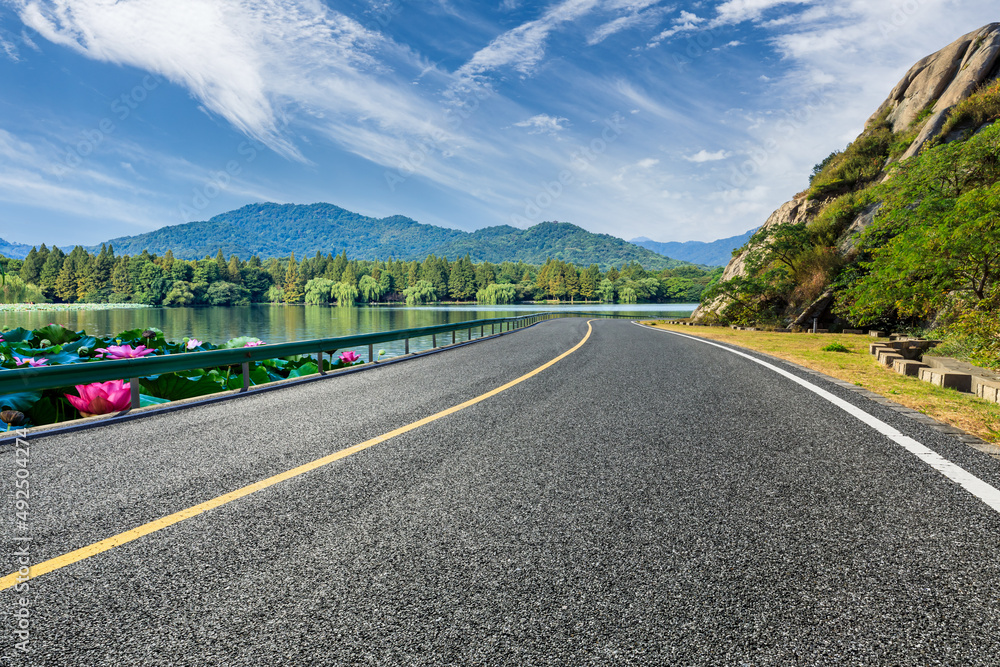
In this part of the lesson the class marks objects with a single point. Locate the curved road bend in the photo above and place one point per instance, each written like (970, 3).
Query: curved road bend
(647, 500)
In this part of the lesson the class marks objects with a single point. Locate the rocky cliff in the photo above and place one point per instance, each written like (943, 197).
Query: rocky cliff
(921, 106)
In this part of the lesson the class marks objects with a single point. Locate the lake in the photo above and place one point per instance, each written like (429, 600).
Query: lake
(280, 324)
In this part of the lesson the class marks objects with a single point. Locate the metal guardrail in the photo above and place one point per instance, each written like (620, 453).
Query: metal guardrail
(52, 377)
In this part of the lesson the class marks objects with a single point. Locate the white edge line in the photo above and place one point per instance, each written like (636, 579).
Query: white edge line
(977, 487)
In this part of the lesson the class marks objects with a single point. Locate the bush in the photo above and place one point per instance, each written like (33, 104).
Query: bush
(980, 108)
(835, 347)
(15, 290)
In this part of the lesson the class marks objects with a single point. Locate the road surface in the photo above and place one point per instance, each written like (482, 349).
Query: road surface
(647, 499)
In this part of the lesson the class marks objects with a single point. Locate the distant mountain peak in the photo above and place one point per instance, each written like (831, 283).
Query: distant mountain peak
(277, 230)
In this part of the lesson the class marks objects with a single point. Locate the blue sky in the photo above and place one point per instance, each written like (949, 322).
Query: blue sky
(671, 120)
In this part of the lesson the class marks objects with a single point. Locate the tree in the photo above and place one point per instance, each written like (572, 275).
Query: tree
(421, 293)
(234, 271)
(345, 293)
(180, 294)
(294, 292)
(224, 293)
(606, 291)
(497, 294)
(31, 268)
(462, 282)
(50, 271)
(370, 289)
(319, 291)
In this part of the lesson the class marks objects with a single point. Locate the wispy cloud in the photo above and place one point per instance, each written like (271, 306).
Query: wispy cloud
(640, 13)
(524, 46)
(705, 156)
(686, 22)
(543, 123)
(234, 57)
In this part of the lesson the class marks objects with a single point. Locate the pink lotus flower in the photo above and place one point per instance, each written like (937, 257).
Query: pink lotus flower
(101, 398)
(254, 343)
(31, 361)
(193, 343)
(125, 351)
(349, 357)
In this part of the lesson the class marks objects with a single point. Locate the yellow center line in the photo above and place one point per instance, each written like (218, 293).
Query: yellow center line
(83, 553)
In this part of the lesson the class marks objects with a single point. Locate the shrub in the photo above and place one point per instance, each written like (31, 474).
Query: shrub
(980, 108)
(835, 347)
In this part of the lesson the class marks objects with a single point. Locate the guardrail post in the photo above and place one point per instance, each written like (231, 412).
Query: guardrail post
(134, 386)
(406, 346)
(470, 333)
(246, 377)
(371, 352)
(319, 363)
(434, 341)
(452, 336)
(482, 328)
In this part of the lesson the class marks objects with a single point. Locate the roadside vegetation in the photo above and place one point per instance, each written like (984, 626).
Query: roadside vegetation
(50, 275)
(924, 258)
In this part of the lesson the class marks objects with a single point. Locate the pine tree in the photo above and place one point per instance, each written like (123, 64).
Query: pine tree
(293, 293)
(31, 267)
(233, 270)
(50, 272)
(572, 282)
(121, 286)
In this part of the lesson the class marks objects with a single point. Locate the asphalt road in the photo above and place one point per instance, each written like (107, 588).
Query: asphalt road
(647, 500)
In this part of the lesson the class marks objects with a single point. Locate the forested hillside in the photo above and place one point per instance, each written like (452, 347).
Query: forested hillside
(278, 230)
(79, 276)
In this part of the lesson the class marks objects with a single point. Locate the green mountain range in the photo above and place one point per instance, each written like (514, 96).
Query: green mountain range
(277, 230)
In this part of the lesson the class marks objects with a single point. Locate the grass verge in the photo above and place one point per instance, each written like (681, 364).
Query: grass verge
(964, 411)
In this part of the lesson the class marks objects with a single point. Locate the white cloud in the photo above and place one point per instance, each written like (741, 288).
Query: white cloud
(524, 46)
(544, 123)
(705, 156)
(737, 11)
(686, 22)
(257, 65)
(647, 163)
(640, 15)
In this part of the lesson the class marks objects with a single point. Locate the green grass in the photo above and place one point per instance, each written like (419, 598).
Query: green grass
(980, 108)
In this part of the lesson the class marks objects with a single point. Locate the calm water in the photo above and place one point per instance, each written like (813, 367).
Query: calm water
(279, 324)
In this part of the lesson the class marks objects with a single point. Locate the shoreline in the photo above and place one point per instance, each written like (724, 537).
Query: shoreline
(61, 307)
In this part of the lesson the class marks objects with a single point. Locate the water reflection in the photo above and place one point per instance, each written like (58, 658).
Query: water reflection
(279, 324)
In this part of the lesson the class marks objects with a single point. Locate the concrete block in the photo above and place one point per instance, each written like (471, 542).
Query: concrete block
(889, 357)
(877, 334)
(908, 367)
(948, 380)
(989, 391)
(857, 332)
(873, 348)
(782, 331)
